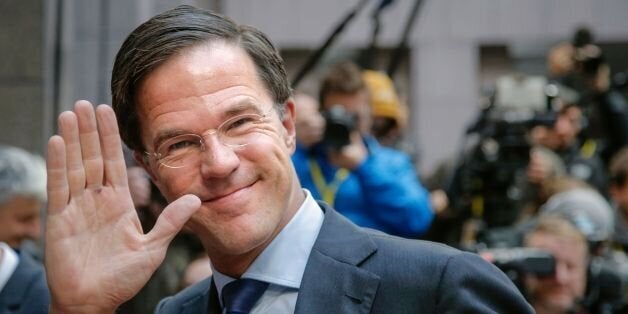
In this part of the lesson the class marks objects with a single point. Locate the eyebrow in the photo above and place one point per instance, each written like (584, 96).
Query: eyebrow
(239, 107)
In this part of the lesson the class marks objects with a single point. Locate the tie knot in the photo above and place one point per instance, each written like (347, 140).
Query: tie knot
(239, 296)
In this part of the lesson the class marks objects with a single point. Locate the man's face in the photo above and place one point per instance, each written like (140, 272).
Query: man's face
(619, 194)
(568, 125)
(248, 193)
(19, 220)
(559, 292)
(357, 103)
(310, 124)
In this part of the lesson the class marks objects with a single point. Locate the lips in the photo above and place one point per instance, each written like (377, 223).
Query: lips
(225, 194)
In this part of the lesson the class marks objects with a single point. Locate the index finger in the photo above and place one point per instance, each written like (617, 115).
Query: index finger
(57, 180)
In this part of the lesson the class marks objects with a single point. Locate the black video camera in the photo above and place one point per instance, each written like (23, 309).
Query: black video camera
(521, 260)
(339, 123)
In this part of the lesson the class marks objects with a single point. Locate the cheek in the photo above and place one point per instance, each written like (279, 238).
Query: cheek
(173, 185)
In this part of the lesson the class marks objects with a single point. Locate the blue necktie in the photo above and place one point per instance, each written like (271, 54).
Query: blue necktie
(240, 296)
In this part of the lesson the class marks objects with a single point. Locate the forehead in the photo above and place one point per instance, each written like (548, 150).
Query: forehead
(20, 206)
(352, 101)
(211, 76)
(562, 247)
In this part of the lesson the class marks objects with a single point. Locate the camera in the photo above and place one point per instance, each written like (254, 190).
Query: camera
(489, 181)
(339, 123)
(533, 261)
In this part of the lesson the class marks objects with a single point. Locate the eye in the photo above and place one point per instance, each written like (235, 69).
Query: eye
(178, 145)
(240, 123)
(181, 145)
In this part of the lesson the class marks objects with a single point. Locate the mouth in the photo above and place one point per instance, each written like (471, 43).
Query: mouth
(228, 195)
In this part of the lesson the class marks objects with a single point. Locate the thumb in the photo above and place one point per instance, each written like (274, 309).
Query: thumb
(173, 217)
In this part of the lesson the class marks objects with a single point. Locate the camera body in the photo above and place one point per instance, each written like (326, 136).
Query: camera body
(494, 166)
(339, 123)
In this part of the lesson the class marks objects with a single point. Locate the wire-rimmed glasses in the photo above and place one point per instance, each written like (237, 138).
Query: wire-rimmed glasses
(186, 149)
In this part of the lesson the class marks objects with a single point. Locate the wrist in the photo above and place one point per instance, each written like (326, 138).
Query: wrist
(78, 309)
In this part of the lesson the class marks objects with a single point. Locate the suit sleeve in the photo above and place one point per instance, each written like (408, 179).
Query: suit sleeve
(471, 285)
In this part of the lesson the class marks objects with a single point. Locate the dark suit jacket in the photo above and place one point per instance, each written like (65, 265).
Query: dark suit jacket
(26, 291)
(355, 270)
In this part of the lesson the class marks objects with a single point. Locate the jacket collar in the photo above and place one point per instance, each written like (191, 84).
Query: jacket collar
(207, 300)
(21, 280)
(333, 278)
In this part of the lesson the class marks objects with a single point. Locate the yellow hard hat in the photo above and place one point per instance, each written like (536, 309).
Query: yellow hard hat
(384, 99)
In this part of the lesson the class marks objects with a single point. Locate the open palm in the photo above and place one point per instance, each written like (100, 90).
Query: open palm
(97, 255)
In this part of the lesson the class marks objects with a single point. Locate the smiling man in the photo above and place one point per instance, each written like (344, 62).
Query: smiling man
(206, 106)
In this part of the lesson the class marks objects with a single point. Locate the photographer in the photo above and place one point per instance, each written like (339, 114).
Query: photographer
(562, 291)
(373, 186)
(618, 190)
(582, 160)
(581, 66)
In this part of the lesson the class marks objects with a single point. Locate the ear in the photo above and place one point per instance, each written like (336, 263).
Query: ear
(288, 121)
(142, 160)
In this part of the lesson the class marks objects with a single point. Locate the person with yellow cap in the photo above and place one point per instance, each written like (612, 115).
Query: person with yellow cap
(390, 116)
(373, 185)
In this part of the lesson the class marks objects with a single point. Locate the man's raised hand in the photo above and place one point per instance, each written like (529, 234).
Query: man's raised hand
(97, 255)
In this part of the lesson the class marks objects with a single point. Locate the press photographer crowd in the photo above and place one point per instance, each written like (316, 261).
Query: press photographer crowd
(538, 187)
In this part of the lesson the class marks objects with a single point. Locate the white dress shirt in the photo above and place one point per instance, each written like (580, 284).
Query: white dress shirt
(283, 262)
(8, 264)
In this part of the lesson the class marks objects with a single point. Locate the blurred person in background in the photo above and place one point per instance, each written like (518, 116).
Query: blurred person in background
(310, 124)
(561, 292)
(586, 208)
(389, 121)
(618, 190)
(389, 115)
(581, 66)
(372, 185)
(581, 160)
(22, 196)
(23, 286)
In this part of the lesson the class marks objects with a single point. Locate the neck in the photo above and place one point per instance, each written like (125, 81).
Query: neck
(236, 265)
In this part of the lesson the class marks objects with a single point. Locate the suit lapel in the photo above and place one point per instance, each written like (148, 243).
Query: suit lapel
(25, 273)
(332, 278)
(214, 304)
(208, 300)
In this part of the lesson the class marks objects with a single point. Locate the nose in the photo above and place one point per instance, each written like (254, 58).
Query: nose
(561, 273)
(217, 159)
(32, 229)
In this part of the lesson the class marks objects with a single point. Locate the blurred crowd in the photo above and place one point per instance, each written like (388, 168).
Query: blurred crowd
(549, 176)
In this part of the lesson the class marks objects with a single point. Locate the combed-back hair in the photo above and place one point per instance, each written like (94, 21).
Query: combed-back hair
(165, 35)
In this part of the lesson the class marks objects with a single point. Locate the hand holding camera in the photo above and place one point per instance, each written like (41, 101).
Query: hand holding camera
(345, 144)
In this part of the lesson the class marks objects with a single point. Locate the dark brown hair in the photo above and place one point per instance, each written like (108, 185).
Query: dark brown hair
(168, 33)
(342, 78)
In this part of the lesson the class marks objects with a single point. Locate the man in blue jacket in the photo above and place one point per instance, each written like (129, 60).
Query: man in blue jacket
(372, 185)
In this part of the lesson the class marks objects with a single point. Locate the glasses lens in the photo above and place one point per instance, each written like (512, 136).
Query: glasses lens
(179, 151)
(185, 150)
(237, 131)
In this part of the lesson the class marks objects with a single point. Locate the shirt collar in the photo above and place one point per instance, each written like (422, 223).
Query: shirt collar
(8, 264)
(283, 261)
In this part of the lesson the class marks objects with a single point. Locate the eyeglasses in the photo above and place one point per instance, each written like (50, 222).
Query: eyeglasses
(185, 149)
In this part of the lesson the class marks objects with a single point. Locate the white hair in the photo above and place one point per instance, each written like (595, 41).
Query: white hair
(21, 174)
